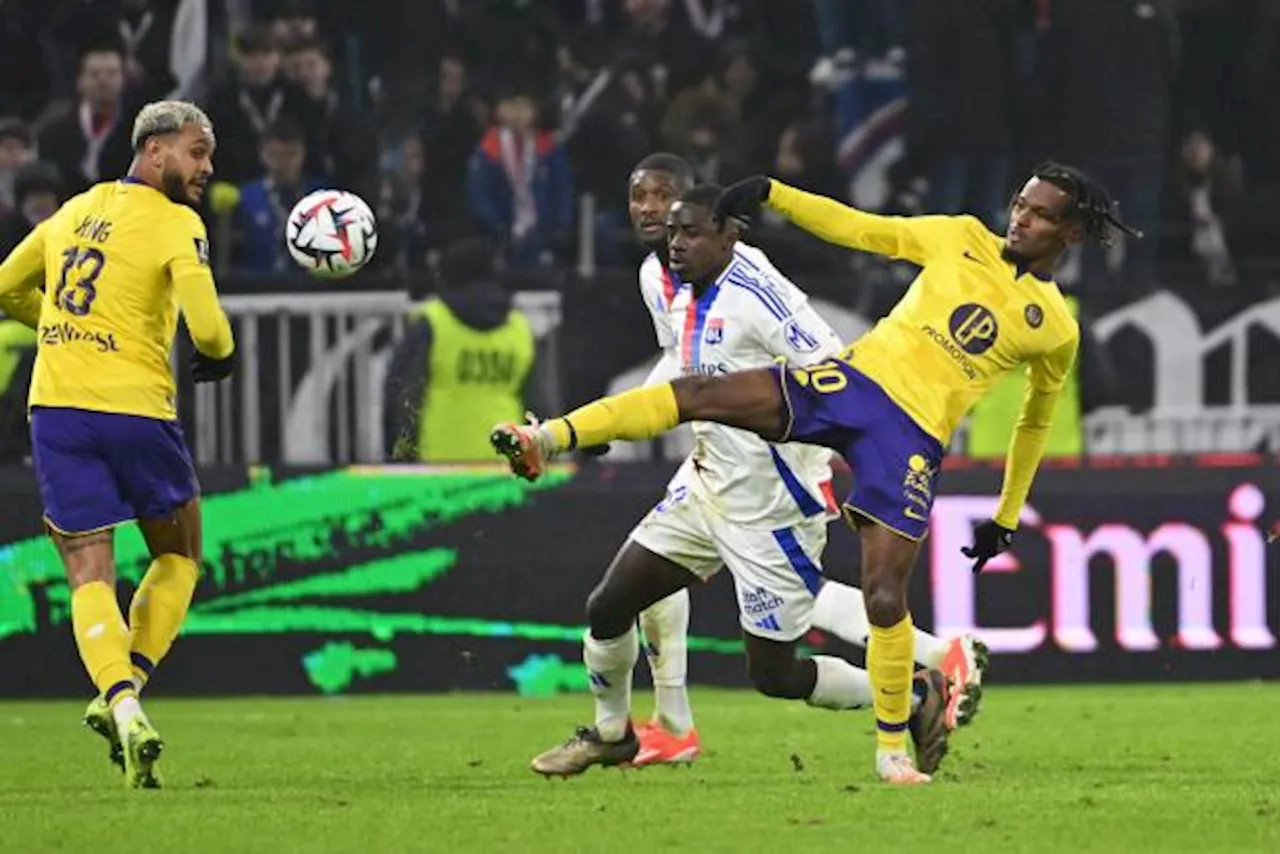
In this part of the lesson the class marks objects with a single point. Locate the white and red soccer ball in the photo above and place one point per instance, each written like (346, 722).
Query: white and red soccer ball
(331, 233)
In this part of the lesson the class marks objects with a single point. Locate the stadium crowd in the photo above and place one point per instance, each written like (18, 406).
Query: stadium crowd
(496, 117)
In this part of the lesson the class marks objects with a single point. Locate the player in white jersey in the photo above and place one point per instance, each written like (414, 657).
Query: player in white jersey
(759, 508)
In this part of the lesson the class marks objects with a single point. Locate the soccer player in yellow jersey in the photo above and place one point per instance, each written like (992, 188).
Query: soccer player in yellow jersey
(116, 264)
(981, 306)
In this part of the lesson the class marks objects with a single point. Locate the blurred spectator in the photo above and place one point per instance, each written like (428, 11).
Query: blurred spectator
(507, 42)
(15, 152)
(342, 145)
(245, 106)
(293, 21)
(1110, 67)
(265, 203)
(853, 33)
(462, 365)
(37, 190)
(961, 83)
(143, 29)
(520, 186)
(1210, 188)
(454, 122)
(671, 56)
(805, 158)
(91, 143)
(402, 223)
(606, 127)
(702, 126)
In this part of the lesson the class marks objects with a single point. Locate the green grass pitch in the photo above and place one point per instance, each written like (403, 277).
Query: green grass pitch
(1118, 769)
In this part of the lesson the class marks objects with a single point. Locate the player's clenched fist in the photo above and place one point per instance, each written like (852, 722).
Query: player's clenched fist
(742, 201)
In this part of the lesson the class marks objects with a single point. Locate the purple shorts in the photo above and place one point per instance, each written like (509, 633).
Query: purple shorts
(98, 469)
(895, 462)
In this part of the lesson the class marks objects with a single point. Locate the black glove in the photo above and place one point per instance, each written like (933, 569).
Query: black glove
(206, 369)
(742, 201)
(989, 540)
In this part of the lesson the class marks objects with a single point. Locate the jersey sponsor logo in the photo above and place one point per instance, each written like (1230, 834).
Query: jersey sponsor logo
(798, 338)
(715, 331)
(705, 369)
(56, 334)
(760, 601)
(1034, 315)
(974, 328)
(957, 355)
(202, 250)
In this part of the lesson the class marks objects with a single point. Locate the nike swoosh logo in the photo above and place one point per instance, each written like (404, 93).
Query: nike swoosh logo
(889, 693)
(974, 258)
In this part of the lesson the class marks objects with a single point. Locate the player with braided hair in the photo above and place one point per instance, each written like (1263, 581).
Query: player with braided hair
(981, 306)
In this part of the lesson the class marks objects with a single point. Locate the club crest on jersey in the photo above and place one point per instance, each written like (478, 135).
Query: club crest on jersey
(798, 338)
(715, 331)
(1034, 315)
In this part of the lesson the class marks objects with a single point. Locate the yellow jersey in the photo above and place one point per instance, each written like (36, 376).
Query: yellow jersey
(967, 319)
(116, 264)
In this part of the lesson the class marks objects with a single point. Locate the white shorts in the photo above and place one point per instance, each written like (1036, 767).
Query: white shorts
(776, 573)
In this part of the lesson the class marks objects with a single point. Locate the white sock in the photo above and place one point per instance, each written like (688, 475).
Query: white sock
(840, 685)
(666, 630)
(841, 610)
(124, 711)
(609, 665)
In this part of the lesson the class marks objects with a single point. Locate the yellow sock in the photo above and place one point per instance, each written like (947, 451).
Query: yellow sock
(890, 660)
(102, 638)
(158, 610)
(641, 413)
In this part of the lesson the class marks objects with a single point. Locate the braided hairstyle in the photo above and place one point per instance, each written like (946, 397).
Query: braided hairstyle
(1091, 205)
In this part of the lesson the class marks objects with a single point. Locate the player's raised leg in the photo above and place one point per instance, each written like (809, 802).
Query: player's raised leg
(160, 603)
(750, 400)
(635, 580)
(669, 737)
(841, 610)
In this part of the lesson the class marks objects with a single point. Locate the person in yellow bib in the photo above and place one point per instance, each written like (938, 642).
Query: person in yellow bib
(17, 353)
(981, 306)
(103, 281)
(462, 365)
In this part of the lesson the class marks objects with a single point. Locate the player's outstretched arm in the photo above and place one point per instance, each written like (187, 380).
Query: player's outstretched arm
(21, 276)
(1046, 379)
(912, 239)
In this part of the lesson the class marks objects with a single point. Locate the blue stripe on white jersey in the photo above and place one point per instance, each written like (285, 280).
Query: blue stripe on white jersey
(739, 275)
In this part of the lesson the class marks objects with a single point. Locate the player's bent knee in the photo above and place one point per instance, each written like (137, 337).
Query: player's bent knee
(886, 605)
(779, 683)
(607, 615)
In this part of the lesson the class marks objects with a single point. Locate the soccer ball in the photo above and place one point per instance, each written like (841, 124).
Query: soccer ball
(331, 233)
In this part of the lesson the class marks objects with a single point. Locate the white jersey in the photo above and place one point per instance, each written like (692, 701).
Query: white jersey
(751, 317)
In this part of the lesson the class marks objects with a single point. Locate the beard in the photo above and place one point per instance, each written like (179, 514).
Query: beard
(1013, 256)
(175, 187)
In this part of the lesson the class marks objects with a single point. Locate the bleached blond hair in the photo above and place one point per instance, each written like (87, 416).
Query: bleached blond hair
(162, 117)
